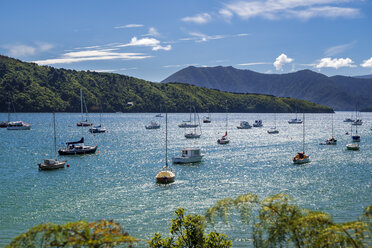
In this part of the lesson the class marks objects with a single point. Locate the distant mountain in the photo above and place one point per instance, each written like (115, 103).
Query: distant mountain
(337, 92)
(364, 76)
(36, 88)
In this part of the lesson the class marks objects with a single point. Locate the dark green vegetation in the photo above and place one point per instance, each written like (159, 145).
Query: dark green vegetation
(44, 89)
(338, 92)
(273, 222)
(278, 222)
(75, 234)
(188, 231)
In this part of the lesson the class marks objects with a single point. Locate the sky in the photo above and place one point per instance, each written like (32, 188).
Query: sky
(152, 39)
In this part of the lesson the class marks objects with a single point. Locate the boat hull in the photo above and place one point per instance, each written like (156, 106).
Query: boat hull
(57, 165)
(165, 177)
(352, 147)
(223, 142)
(19, 128)
(188, 125)
(187, 160)
(86, 150)
(301, 159)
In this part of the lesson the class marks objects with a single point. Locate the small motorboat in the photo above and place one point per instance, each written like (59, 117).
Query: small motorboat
(273, 130)
(159, 115)
(331, 141)
(18, 125)
(192, 135)
(153, 125)
(206, 119)
(52, 164)
(352, 146)
(189, 155)
(295, 121)
(244, 125)
(257, 123)
(97, 129)
(77, 148)
(301, 158)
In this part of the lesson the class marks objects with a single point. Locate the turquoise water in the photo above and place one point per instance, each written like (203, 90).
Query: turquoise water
(118, 183)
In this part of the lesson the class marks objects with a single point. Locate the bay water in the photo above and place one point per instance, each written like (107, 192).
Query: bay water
(118, 182)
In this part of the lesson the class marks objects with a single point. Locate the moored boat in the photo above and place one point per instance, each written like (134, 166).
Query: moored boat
(18, 125)
(153, 125)
(301, 157)
(189, 155)
(77, 148)
(244, 125)
(257, 123)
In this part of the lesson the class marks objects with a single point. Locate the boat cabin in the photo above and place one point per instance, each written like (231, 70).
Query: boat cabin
(190, 152)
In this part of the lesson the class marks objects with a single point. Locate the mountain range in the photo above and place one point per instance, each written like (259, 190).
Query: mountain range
(337, 92)
(33, 88)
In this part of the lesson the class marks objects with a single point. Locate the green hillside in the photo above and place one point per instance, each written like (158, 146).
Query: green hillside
(44, 89)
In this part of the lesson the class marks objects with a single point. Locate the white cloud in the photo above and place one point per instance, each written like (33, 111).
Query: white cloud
(130, 26)
(153, 32)
(26, 50)
(198, 19)
(148, 42)
(302, 9)
(281, 61)
(226, 14)
(367, 63)
(91, 55)
(332, 51)
(335, 63)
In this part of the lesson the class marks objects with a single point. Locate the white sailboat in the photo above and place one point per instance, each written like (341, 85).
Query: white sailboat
(301, 157)
(355, 138)
(273, 130)
(166, 175)
(52, 164)
(295, 120)
(224, 139)
(99, 128)
(193, 134)
(187, 123)
(159, 115)
(83, 123)
(16, 125)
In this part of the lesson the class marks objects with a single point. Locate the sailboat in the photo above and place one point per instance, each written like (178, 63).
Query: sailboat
(83, 123)
(355, 138)
(357, 121)
(224, 139)
(5, 123)
(194, 134)
(301, 158)
(52, 164)
(273, 130)
(207, 119)
(332, 140)
(159, 115)
(187, 124)
(16, 125)
(99, 128)
(295, 120)
(166, 175)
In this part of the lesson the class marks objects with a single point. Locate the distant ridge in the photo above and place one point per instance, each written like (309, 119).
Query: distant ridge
(337, 92)
(37, 88)
(365, 76)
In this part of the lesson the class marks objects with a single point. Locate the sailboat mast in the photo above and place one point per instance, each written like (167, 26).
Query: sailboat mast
(54, 138)
(226, 117)
(9, 111)
(303, 134)
(332, 125)
(81, 104)
(166, 139)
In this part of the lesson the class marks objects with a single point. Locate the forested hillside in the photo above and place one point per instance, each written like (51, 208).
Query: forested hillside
(34, 88)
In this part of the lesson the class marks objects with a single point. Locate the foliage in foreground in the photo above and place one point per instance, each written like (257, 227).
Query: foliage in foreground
(77, 234)
(188, 231)
(277, 222)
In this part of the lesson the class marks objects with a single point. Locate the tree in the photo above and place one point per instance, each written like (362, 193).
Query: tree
(75, 234)
(188, 232)
(278, 222)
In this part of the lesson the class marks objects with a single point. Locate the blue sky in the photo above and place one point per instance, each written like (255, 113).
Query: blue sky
(151, 39)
